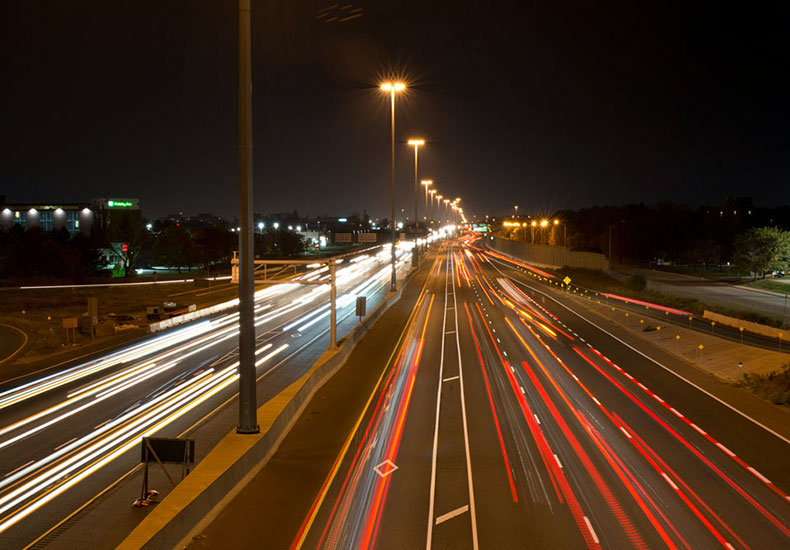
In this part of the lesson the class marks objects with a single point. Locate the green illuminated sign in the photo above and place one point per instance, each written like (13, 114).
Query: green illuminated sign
(119, 204)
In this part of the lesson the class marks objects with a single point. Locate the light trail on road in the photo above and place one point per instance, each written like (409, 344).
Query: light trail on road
(161, 380)
(569, 448)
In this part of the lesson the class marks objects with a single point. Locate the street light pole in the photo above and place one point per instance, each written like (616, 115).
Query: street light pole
(426, 183)
(414, 255)
(248, 409)
(393, 87)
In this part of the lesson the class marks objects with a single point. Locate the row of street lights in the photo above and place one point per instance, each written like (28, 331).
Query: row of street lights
(392, 88)
(542, 224)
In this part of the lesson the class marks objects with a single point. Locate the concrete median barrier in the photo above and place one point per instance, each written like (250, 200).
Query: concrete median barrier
(236, 459)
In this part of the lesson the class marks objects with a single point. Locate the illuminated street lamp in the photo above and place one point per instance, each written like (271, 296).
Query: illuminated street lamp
(392, 88)
(416, 143)
(446, 210)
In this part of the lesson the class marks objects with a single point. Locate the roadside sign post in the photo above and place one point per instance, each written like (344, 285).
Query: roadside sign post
(163, 450)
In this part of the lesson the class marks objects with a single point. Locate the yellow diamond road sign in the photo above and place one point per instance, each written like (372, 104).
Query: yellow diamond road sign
(567, 280)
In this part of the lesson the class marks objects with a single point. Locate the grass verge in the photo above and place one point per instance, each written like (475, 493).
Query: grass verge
(601, 282)
(770, 284)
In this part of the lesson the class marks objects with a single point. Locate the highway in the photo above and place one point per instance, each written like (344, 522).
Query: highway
(66, 434)
(509, 418)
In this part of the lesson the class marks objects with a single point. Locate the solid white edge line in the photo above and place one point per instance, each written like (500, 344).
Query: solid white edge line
(432, 494)
(470, 482)
(680, 376)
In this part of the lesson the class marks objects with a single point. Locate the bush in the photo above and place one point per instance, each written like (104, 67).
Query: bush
(637, 282)
(775, 387)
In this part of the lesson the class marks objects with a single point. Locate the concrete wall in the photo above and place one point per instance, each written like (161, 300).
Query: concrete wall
(749, 326)
(543, 255)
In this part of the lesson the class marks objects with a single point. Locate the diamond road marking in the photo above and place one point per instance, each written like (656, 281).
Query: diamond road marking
(385, 468)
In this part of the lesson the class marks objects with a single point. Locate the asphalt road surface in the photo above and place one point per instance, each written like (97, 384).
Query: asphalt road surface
(508, 418)
(66, 434)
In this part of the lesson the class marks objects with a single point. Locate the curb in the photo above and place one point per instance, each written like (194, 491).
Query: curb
(236, 459)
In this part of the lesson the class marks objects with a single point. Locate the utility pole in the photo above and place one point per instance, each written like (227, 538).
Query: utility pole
(394, 278)
(333, 310)
(248, 408)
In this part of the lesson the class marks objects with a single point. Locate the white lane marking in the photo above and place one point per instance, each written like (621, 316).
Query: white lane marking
(451, 378)
(498, 341)
(432, 498)
(451, 515)
(592, 531)
(628, 435)
(761, 476)
(672, 483)
(596, 401)
(558, 460)
(700, 430)
(536, 418)
(17, 469)
(504, 353)
(676, 412)
(469, 480)
(64, 444)
(522, 390)
(725, 449)
(450, 332)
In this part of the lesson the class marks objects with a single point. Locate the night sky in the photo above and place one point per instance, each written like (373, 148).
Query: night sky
(548, 105)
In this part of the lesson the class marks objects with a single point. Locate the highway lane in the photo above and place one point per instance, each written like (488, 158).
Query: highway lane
(509, 420)
(64, 435)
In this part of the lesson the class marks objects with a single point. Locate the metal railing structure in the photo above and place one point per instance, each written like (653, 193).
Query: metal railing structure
(262, 273)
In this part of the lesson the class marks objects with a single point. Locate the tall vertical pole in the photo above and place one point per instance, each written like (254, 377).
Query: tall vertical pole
(333, 307)
(248, 409)
(426, 204)
(394, 280)
(414, 254)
